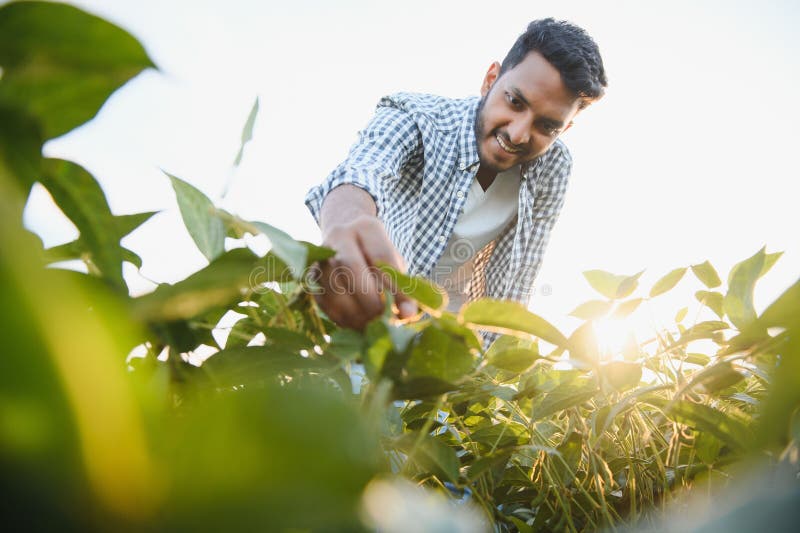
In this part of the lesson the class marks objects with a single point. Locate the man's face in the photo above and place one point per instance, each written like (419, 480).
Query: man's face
(521, 113)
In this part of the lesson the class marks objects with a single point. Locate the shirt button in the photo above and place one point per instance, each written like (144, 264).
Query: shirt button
(460, 194)
(442, 238)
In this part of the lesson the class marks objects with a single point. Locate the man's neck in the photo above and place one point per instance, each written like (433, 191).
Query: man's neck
(485, 177)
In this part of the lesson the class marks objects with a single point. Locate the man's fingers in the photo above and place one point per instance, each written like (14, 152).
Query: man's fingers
(377, 248)
(351, 292)
(342, 310)
(367, 287)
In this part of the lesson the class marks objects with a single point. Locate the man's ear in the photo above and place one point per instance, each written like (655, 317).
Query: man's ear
(491, 76)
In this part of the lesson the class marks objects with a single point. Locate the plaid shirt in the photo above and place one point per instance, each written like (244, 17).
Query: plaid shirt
(417, 159)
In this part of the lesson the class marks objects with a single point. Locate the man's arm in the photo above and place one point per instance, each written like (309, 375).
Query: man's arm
(350, 281)
(347, 207)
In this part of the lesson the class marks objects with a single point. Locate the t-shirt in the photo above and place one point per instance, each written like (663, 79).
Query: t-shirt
(485, 215)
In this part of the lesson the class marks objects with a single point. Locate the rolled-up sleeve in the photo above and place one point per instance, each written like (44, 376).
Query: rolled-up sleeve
(383, 147)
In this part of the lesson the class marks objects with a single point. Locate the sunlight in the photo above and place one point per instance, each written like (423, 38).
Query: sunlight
(612, 335)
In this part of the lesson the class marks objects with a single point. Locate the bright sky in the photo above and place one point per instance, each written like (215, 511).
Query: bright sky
(689, 157)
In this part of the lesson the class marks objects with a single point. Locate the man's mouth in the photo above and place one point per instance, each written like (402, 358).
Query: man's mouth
(505, 146)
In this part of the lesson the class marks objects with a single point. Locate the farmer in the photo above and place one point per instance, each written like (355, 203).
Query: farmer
(463, 192)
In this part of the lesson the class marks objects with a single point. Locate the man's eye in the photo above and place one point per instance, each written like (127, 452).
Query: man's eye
(551, 130)
(513, 100)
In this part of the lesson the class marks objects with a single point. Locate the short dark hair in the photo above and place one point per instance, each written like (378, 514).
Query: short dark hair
(569, 49)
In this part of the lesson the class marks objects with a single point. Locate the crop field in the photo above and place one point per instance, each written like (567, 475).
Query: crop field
(228, 401)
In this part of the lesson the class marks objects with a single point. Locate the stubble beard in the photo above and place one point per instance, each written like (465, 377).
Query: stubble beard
(480, 134)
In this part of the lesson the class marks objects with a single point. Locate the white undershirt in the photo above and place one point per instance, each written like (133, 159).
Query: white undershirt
(485, 215)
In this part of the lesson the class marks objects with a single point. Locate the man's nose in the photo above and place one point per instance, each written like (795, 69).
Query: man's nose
(519, 132)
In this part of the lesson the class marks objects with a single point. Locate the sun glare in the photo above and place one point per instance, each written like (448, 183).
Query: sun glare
(612, 334)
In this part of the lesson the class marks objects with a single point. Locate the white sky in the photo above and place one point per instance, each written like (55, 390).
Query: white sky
(689, 157)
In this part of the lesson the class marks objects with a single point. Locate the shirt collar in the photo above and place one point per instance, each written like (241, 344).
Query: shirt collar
(467, 143)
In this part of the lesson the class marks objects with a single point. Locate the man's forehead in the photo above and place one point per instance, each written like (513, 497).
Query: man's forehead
(535, 80)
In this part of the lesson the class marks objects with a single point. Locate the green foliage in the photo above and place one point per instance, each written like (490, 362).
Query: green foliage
(424, 292)
(247, 132)
(197, 211)
(59, 66)
(612, 286)
(287, 422)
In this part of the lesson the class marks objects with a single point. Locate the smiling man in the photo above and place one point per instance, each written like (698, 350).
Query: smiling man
(462, 191)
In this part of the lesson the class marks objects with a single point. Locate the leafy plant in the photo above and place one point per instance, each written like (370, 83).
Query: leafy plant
(293, 422)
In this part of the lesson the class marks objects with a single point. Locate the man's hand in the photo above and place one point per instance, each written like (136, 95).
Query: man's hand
(351, 283)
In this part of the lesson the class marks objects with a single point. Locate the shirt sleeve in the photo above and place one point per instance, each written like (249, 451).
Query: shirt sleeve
(550, 193)
(382, 148)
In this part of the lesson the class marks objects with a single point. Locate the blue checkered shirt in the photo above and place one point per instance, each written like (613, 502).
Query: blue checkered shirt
(414, 157)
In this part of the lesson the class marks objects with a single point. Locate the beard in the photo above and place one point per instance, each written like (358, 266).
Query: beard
(481, 135)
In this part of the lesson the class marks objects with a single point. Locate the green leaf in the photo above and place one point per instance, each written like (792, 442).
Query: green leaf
(241, 333)
(702, 330)
(422, 387)
(439, 354)
(612, 286)
(501, 435)
(769, 260)
(424, 292)
(219, 283)
(247, 132)
(592, 309)
(718, 377)
(346, 344)
(729, 430)
(681, 314)
(583, 344)
(198, 212)
(785, 311)
(400, 335)
(628, 285)
(570, 453)
(431, 454)
(20, 148)
(707, 274)
(515, 360)
(697, 359)
(127, 223)
(707, 447)
(667, 282)
(79, 249)
(622, 375)
(287, 339)
(449, 323)
(60, 64)
(624, 309)
(509, 317)
(520, 524)
(317, 253)
(80, 197)
(256, 364)
(713, 300)
(738, 301)
(565, 396)
(292, 252)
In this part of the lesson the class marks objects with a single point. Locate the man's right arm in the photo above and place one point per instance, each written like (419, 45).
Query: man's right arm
(350, 281)
(347, 206)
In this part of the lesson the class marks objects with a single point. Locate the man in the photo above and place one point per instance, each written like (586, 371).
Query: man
(464, 192)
